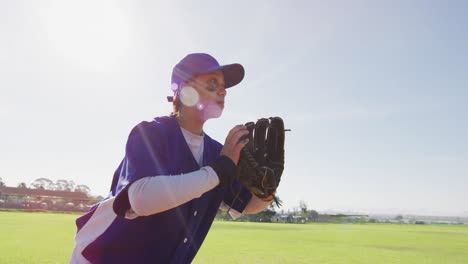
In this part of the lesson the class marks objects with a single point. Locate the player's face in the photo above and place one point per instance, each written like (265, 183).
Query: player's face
(211, 91)
(210, 87)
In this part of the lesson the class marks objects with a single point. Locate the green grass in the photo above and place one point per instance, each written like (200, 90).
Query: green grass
(48, 238)
(36, 237)
(334, 243)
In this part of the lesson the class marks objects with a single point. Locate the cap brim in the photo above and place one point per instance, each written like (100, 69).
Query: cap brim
(233, 74)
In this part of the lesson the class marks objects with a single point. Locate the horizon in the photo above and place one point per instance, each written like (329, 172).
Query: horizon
(331, 211)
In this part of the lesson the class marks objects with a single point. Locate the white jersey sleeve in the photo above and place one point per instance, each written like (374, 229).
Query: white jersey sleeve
(151, 195)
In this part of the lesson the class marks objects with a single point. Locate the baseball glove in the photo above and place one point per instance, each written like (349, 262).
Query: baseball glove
(261, 161)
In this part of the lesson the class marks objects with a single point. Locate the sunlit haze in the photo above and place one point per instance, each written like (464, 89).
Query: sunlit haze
(375, 93)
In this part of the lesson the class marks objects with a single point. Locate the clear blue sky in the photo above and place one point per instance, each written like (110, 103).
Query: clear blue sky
(375, 93)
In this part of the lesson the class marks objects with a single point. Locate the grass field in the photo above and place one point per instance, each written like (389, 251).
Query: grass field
(48, 238)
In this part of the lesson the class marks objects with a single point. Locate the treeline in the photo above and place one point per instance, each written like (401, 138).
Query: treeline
(58, 185)
(45, 194)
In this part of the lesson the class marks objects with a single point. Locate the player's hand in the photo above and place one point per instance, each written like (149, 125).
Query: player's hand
(233, 145)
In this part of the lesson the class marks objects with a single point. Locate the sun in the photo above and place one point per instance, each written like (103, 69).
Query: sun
(90, 34)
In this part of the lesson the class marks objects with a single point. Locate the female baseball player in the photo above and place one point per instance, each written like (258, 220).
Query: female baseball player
(166, 192)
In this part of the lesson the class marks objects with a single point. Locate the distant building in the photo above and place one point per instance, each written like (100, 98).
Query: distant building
(25, 198)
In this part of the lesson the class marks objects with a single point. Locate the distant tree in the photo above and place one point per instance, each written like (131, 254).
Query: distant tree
(303, 209)
(1, 182)
(263, 216)
(313, 215)
(83, 188)
(303, 206)
(399, 218)
(64, 185)
(71, 185)
(42, 183)
(22, 185)
(266, 215)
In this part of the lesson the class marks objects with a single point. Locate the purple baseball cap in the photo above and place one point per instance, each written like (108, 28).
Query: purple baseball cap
(199, 63)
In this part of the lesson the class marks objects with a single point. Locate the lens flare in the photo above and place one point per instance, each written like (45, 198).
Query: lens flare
(189, 96)
(211, 110)
(174, 87)
(200, 106)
